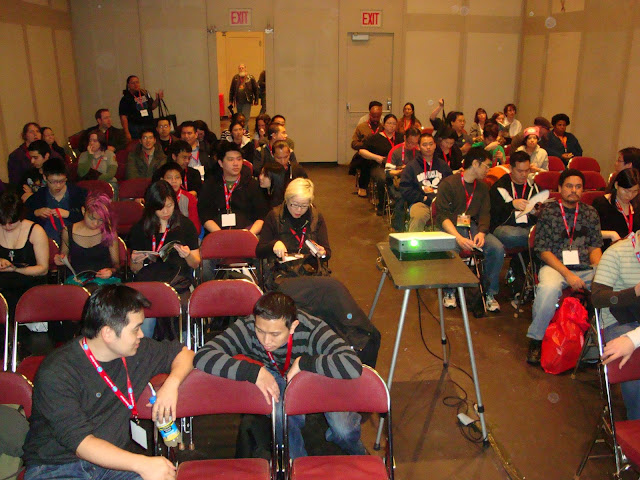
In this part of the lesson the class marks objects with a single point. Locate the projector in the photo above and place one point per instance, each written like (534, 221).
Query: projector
(421, 245)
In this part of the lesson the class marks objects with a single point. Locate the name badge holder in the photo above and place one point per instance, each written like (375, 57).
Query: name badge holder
(228, 219)
(570, 257)
(463, 219)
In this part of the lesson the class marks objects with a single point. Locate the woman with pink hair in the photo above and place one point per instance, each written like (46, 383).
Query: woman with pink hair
(91, 245)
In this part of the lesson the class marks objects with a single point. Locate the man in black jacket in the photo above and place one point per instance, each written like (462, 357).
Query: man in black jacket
(116, 140)
(509, 197)
(231, 197)
(419, 182)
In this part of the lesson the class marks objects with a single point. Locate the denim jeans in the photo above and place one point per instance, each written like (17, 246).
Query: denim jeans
(493, 259)
(344, 428)
(148, 326)
(630, 390)
(81, 470)
(512, 237)
(548, 292)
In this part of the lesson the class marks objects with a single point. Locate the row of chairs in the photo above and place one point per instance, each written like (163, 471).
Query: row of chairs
(307, 393)
(549, 180)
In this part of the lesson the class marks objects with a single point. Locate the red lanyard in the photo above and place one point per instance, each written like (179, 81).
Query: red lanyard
(26, 151)
(228, 193)
(140, 98)
(446, 159)
(53, 220)
(300, 239)
(404, 125)
(131, 403)
(430, 166)
(196, 157)
(102, 156)
(373, 132)
(413, 150)
(566, 225)
(628, 219)
(287, 362)
(466, 194)
(184, 180)
(153, 240)
(178, 195)
(392, 142)
(146, 157)
(515, 193)
(106, 134)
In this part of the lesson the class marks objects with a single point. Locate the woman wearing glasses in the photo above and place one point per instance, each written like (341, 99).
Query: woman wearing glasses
(286, 230)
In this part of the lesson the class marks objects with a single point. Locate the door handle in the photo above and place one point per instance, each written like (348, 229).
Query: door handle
(348, 106)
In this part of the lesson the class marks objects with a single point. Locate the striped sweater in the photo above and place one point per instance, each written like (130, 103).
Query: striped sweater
(320, 350)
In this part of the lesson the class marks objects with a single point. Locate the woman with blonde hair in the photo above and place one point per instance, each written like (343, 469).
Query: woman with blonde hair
(288, 226)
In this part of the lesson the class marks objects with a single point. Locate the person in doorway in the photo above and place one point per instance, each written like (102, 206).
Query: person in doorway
(244, 91)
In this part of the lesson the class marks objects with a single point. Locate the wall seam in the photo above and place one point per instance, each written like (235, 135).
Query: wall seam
(518, 83)
(60, 96)
(623, 88)
(30, 70)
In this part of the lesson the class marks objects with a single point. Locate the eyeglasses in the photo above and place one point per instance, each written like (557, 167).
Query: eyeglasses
(298, 206)
(163, 126)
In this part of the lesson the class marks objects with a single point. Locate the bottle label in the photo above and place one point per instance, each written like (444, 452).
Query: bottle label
(169, 431)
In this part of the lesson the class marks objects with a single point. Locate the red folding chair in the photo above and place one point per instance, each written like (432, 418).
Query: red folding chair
(38, 304)
(219, 298)
(223, 396)
(165, 301)
(121, 158)
(312, 393)
(622, 435)
(133, 188)
(584, 164)
(547, 180)
(556, 164)
(99, 186)
(4, 319)
(231, 249)
(590, 196)
(74, 140)
(248, 164)
(128, 214)
(17, 390)
(54, 271)
(593, 181)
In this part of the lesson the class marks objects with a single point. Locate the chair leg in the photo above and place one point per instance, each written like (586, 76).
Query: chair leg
(589, 342)
(595, 439)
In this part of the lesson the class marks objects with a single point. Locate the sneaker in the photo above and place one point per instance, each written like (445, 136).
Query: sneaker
(362, 192)
(449, 300)
(492, 303)
(535, 350)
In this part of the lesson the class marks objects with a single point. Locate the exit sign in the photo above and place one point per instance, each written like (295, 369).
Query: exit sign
(371, 18)
(240, 17)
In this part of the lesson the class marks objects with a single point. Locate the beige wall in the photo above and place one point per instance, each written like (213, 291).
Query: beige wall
(586, 66)
(37, 72)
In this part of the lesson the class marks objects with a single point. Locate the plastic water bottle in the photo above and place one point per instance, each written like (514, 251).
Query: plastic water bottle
(167, 427)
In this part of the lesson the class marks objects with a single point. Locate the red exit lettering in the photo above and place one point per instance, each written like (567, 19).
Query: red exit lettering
(240, 17)
(371, 19)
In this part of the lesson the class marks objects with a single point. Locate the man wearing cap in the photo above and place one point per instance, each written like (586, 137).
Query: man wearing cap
(544, 128)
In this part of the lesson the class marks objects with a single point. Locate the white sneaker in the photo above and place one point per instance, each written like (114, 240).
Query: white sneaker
(492, 304)
(449, 300)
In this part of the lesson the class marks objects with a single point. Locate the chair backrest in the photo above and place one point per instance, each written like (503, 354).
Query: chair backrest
(593, 181)
(165, 301)
(584, 164)
(133, 188)
(51, 303)
(630, 370)
(556, 164)
(124, 254)
(4, 319)
(128, 214)
(222, 396)
(17, 390)
(555, 195)
(223, 298)
(131, 145)
(74, 140)
(248, 164)
(313, 393)
(590, 196)
(547, 180)
(229, 244)
(121, 158)
(97, 186)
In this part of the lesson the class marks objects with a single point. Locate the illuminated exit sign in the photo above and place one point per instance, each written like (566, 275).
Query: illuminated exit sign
(371, 18)
(240, 17)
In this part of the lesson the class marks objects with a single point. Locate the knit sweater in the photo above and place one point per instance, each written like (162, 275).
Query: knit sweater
(320, 350)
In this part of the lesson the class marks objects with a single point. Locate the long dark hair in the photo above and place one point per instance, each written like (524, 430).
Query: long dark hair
(154, 200)
(627, 178)
(276, 174)
(413, 112)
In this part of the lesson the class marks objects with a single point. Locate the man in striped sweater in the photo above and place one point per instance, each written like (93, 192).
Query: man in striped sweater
(285, 342)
